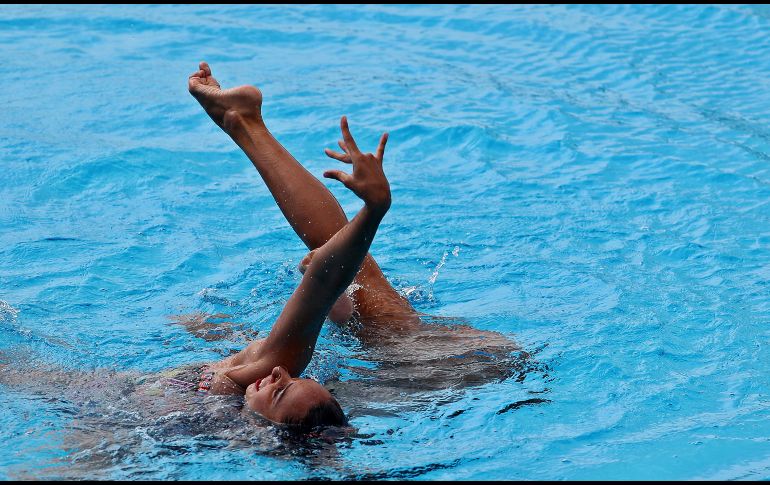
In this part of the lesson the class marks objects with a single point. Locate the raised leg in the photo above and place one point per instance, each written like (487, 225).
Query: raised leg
(312, 211)
(309, 207)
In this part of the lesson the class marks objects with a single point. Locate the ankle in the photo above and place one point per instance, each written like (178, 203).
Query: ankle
(236, 124)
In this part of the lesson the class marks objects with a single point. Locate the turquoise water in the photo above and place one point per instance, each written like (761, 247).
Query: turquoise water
(592, 181)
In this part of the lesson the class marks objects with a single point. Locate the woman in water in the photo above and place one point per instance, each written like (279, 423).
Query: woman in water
(267, 370)
(407, 356)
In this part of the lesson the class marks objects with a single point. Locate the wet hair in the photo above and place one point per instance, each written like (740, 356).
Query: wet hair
(326, 413)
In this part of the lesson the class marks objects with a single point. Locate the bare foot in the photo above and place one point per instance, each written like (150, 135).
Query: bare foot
(226, 107)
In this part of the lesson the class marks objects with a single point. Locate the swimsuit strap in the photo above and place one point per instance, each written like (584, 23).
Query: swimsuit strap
(178, 382)
(205, 381)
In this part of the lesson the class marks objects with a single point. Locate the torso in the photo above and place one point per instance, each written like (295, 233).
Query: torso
(411, 349)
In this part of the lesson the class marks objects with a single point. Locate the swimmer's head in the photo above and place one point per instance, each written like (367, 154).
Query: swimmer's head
(303, 403)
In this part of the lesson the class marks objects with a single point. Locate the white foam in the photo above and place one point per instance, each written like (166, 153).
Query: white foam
(434, 276)
(7, 312)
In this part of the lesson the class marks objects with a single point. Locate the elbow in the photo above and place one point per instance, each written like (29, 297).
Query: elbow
(328, 273)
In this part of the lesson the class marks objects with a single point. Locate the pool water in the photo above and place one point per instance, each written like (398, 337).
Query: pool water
(591, 181)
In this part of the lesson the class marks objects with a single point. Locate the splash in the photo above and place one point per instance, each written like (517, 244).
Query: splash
(7, 312)
(352, 288)
(432, 280)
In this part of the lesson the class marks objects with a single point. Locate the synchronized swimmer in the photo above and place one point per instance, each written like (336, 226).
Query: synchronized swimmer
(410, 352)
(267, 371)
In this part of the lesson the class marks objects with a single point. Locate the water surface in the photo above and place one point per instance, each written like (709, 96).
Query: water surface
(591, 181)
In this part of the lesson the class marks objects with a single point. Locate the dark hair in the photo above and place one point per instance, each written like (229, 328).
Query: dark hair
(327, 413)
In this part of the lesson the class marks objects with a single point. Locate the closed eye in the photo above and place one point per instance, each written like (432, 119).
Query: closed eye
(279, 395)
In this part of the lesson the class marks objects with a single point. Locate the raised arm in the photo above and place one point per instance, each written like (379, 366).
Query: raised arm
(293, 337)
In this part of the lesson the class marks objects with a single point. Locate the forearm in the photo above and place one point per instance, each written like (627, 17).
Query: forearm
(336, 263)
(309, 207)
(293, 337)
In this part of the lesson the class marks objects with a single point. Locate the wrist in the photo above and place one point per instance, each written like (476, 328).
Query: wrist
(378, 208)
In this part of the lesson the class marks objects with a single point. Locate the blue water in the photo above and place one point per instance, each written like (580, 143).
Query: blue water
(591, 181)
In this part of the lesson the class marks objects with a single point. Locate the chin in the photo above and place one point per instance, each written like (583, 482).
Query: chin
(249, 391)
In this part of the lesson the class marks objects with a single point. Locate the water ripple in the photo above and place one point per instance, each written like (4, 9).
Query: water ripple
(590, 180)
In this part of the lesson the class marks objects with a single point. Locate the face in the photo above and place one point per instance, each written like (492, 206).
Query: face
(279, 396)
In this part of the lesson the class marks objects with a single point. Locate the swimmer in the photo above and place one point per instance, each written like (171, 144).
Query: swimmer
(267, 371)
(407, 356)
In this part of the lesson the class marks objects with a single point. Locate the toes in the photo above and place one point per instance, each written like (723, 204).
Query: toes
(202, 73)
(198, 86)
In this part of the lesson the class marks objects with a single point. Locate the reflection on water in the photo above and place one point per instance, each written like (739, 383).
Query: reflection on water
(406, 369)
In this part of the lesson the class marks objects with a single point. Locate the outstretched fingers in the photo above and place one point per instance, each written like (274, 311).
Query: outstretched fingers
(367, 181)
(381, 146)
(343, 177)
(350, 143)
(342, 157)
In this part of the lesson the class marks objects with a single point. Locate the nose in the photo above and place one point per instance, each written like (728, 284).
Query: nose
(277, 372)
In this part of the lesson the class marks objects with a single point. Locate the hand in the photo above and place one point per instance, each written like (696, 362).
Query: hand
(221, 383)
(367, 181)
